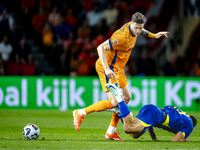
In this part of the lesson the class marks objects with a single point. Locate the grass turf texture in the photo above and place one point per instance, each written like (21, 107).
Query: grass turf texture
(57, 132)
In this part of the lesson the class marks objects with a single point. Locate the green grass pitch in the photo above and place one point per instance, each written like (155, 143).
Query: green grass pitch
(57, 132)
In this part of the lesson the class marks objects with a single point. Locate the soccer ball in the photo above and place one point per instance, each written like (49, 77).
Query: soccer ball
(31, 131)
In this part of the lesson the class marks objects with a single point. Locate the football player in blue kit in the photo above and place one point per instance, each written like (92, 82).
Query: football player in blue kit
(169, 118)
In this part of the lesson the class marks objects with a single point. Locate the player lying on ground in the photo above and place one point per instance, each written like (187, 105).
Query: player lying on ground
(169, 118)
(113, 56)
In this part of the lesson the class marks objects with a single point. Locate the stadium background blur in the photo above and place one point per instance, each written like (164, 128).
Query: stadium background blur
(60, 37)
(47, 58)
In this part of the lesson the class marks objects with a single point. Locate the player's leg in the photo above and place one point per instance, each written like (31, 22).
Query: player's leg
(124, 110)
(115, 118)
(111, 133)
(130, 124)
(126, 96)
(79, 114)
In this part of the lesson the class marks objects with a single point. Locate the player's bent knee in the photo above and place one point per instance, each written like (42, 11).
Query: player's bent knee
(173, 140)
(127, 129)
(127, 97)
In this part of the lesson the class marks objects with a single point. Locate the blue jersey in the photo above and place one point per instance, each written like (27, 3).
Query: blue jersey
(176, 120)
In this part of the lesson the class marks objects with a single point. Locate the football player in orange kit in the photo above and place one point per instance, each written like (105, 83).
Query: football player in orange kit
(113, 56)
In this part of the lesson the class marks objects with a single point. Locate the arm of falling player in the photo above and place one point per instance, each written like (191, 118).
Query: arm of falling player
(180, 137)
(152, 134)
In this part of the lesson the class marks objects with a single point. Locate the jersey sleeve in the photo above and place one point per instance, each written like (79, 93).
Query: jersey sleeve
(186, 131)
(118, 41)
(145, 125)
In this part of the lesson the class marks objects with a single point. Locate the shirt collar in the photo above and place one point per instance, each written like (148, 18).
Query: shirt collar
(131, 31)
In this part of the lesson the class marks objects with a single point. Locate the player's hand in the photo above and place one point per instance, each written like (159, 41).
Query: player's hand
(110, 74)
(155, 139)
(186, 139)
(159, 34)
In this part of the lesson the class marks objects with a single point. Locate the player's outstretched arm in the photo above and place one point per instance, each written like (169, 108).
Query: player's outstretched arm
(152, 35)
(160, 34)
(180, 138)
(152, 134)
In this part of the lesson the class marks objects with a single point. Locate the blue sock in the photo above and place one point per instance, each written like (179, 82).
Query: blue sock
(124, 110)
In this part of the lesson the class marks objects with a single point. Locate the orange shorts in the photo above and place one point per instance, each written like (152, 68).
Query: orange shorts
(122, 80)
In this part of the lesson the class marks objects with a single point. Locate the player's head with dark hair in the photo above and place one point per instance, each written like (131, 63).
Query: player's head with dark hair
(138, 18)
(194, 121)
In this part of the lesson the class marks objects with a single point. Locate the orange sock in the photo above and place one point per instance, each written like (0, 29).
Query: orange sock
(99, 106)
(115, 118)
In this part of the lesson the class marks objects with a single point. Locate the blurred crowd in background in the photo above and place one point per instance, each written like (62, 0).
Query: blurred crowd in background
(68, 32)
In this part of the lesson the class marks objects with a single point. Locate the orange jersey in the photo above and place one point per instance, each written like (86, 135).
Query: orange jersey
(121, 42)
